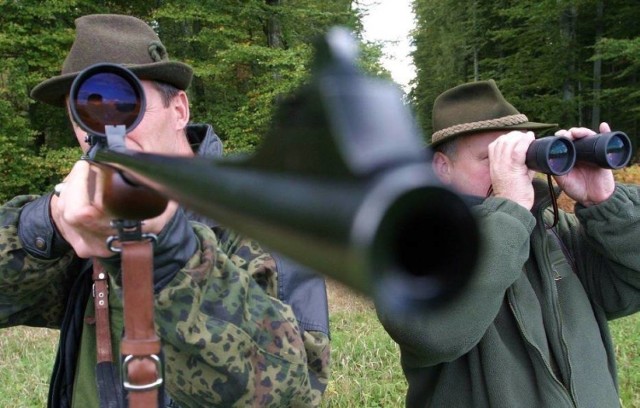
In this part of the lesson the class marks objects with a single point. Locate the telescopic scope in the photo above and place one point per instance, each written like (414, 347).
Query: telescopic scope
(107, 95)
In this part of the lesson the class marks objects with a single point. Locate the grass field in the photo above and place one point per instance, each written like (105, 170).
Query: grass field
(365, 362)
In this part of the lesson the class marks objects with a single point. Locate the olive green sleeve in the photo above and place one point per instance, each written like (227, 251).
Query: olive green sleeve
(447, 333)
(606, 247)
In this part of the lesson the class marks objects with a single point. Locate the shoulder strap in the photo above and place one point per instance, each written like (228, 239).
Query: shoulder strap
(101, 303)
(140, 348)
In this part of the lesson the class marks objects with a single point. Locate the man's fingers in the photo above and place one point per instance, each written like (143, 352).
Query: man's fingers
(57, 190)
(605, 128)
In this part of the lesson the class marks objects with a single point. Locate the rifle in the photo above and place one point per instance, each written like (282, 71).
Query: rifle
(341, 182)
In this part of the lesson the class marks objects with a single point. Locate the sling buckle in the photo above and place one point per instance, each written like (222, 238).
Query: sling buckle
(141, 387)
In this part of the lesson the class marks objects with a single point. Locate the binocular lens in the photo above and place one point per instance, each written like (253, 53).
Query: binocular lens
(106, 98)
(551, 155)
(556, 155)
(616, 151)
(559, 158)
(611, 150)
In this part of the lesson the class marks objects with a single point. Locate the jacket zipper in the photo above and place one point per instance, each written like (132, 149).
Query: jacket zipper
(540, 355)
(556, 304)
(559, 323)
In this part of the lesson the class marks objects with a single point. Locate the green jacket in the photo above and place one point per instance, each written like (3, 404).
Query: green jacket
(531, 328)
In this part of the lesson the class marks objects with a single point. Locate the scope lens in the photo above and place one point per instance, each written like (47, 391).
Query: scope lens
(107, 99)
(616, 151)
(559, 158)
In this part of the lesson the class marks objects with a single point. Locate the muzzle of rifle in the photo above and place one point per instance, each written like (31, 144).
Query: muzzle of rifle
(400, 237)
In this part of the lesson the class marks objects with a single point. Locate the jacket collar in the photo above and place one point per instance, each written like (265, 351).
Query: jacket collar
(204, 141)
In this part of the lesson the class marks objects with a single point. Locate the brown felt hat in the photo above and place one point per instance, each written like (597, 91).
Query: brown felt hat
(117, 39)
(476, 107)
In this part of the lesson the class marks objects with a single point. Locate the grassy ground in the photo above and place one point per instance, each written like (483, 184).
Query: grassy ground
(26, 360)
(365, 362)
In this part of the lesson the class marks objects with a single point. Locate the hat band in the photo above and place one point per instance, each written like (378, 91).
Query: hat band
(483, 124)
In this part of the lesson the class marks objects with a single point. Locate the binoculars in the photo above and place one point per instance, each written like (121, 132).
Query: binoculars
(556, 155)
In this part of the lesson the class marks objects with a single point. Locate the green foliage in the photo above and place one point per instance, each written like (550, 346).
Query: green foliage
(245, 56)
(34, 35)
(570, 62)
(14, 168)
(25, 173)
(624, 57)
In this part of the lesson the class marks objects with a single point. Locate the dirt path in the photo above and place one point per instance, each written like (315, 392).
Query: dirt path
(341, 298)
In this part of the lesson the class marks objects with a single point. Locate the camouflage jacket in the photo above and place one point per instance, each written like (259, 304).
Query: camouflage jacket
(226, 317)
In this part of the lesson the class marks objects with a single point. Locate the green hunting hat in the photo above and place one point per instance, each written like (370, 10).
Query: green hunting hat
(476, 107)
(117, 39)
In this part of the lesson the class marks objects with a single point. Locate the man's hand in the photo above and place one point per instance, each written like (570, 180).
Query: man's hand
(586, 183)
(79, 214)
(510, 176)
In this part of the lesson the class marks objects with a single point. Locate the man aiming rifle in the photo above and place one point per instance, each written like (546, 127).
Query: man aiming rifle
(229, 337)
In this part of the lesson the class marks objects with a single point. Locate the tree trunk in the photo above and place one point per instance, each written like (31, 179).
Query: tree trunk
(273, 27)
(476, 71)
(597, 70)
(568, 24)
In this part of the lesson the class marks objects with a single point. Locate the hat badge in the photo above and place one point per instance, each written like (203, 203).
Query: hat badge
(157, 51)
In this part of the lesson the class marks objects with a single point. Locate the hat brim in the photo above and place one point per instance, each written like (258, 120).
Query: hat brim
(533, 126)
(53, 90)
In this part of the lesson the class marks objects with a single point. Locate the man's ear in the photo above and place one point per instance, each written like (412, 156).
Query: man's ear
(180, 105)
(442, 166)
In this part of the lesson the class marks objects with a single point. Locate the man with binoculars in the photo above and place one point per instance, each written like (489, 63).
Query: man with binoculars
(531, 328)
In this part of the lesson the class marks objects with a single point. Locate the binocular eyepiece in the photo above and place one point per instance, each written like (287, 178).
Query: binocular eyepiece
(557, 155)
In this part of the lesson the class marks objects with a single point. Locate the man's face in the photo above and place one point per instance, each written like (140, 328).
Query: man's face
(161, 130)
(468, 170)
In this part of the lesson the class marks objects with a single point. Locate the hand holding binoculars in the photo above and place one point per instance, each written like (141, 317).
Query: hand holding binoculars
(557, 155)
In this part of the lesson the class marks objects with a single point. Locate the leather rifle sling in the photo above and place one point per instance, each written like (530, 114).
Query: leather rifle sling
(101, 301)
(140, 348)
(109, 391)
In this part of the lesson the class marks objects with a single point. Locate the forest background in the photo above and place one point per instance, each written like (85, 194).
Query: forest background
(572, 62)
